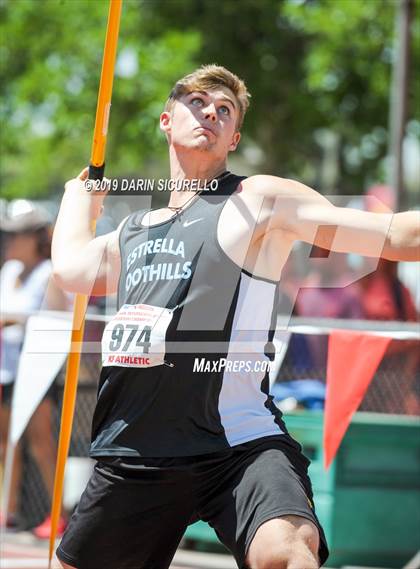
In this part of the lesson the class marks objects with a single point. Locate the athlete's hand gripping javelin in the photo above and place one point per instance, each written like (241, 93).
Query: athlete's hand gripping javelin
(82, 262)
(97, 189)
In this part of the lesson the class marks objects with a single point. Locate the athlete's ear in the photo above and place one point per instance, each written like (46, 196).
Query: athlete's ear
(165, 122)
(235, 141)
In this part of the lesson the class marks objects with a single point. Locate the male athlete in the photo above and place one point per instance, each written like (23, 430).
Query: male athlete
(184, 427)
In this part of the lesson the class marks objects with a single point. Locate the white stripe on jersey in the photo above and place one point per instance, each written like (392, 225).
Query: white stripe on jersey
(241, 401)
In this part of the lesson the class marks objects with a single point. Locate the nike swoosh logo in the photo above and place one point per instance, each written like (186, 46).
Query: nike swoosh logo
(188, 223)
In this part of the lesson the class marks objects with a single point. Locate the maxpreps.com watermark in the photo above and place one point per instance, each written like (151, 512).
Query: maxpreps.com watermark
(137, 185)
(206, 365)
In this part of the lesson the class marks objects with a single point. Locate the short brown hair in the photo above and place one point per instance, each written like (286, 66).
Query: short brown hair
(211, 77)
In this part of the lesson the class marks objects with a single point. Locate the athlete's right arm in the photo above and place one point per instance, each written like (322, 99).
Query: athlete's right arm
(81, 262)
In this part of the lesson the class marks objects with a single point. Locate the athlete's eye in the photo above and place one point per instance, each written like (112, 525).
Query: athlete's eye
(224, 110)
(197, 102)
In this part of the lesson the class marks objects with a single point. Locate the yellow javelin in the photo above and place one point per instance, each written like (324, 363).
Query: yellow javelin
(96, 172)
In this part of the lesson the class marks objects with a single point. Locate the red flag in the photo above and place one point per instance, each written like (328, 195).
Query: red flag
(353, 358)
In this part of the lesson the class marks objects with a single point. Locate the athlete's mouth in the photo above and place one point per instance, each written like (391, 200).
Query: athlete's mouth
(201, 127)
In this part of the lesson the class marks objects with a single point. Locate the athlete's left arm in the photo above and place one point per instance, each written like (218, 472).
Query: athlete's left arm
(308, 216)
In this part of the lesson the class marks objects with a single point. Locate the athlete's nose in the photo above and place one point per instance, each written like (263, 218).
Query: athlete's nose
(210, 113)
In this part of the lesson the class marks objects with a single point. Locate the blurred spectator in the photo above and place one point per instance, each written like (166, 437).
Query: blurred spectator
(384, 297)
(324, 295)
(24, 279)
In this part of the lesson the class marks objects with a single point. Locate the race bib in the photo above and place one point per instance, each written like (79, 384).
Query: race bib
(135, 337)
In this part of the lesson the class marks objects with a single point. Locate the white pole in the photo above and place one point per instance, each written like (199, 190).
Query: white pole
(398, 100)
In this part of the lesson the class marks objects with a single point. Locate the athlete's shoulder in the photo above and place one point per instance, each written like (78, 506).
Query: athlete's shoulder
(273, 186)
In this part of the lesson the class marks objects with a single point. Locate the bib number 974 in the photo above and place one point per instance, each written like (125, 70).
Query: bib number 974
(143, 337)
(136, 336)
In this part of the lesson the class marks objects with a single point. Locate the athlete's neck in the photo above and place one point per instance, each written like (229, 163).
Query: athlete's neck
(192, 166)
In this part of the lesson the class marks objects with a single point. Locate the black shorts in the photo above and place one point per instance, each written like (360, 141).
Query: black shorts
(134, 512)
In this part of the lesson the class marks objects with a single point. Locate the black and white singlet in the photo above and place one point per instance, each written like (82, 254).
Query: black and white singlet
(185, 358)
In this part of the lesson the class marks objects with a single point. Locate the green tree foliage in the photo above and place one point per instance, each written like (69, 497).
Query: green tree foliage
(51, 53)
(347, 73)
(309, 64)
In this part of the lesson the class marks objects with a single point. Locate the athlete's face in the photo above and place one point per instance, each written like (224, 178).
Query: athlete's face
(203, 120)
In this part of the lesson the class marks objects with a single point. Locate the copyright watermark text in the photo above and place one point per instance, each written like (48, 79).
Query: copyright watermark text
(125, 185)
